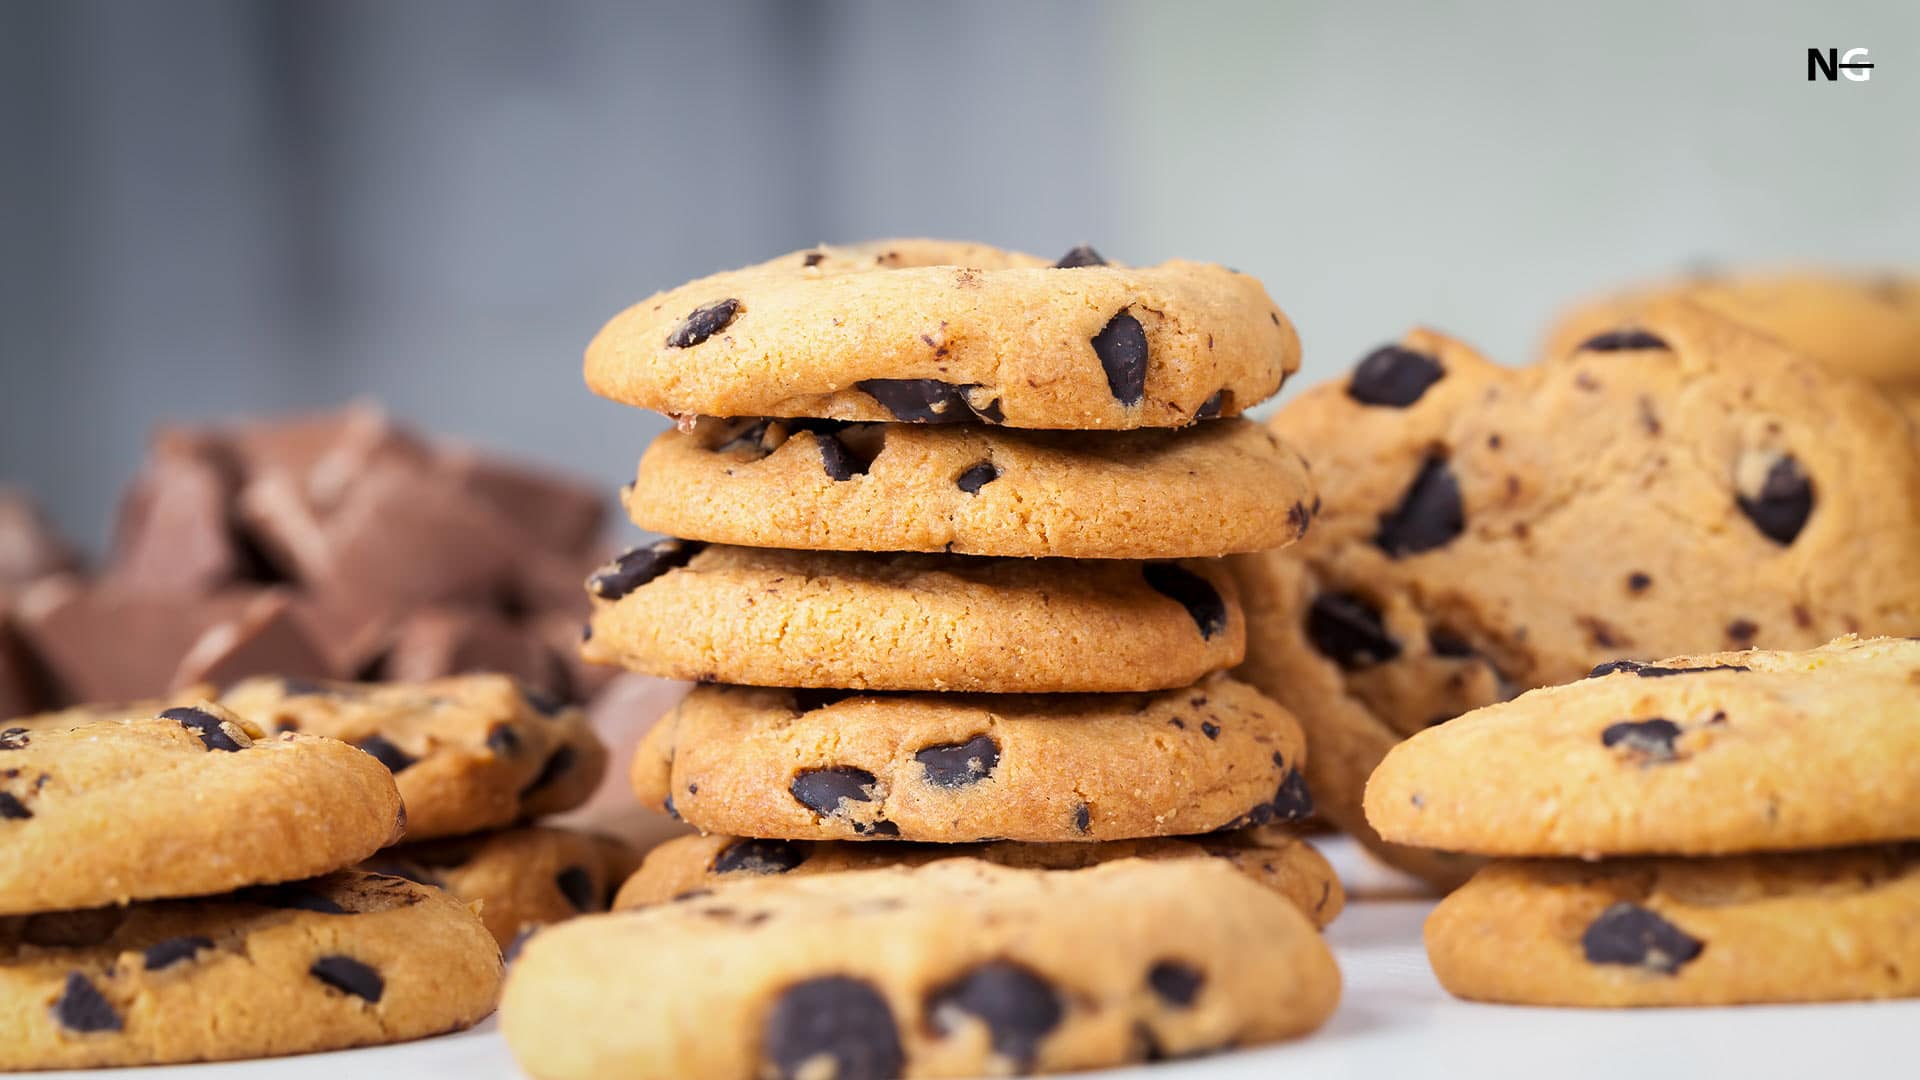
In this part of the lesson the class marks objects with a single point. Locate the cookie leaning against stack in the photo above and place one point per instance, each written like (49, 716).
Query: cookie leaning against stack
(1725, 797)
(944, 527)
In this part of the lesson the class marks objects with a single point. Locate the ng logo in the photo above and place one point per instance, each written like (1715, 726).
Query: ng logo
(1832, 63)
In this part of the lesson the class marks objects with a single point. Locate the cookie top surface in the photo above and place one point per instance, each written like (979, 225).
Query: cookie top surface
(520, 878)
(1812, 926)
(863, 975)
(1223, 486)
(349, 959)
(825, 765)
(926, 331)
(1268, 854)
(768, 617)
(1485, 530)
(469, 752)
(189, 802)
(1712, 754)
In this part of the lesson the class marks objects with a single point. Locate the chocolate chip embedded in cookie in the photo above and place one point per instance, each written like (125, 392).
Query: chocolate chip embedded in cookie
(520, 878)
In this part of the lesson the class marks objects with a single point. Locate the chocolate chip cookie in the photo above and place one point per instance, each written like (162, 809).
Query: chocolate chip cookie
(830, 765)
(1222, 487)
(932, 332)
(192, 801)
(520, 878)
(767, 617)
(959, 968)
(344, 960)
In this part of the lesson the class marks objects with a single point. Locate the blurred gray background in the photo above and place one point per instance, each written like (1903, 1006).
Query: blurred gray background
(212, 206)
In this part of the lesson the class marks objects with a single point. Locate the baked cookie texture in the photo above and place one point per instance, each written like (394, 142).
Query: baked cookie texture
(1268, 854)
(1696, 755)
(862, 975)
(193, 801)
(469, 752)
(519, 879)
(1224, 486)
(1485, 530)
(928, 331)
(344, 960)
(768, 617)
(824, 765)
(1818, 926)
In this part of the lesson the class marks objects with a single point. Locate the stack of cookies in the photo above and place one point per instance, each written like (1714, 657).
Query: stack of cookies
(943, 523)
(1682, 832)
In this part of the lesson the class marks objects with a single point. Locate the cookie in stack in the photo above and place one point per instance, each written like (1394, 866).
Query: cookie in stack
(943, 523)
(1683, 832)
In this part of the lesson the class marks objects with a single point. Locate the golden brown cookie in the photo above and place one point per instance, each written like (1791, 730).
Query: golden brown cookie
(826, 765)
(520, 878)
(767, 617)
(928, 331)
(959, 968)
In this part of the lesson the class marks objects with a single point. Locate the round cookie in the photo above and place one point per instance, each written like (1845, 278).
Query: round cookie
(1486, 530)
(926, 331)
(193, 801)
(1698, 755)
(863, 976)
(469, 752)
(1268, 854)
(1817, 926)
(825, 765)
(768, 617)
(520, 878)
(344, 960)
(1222, 487)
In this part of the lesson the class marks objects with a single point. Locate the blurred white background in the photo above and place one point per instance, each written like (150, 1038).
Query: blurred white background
(209, 207)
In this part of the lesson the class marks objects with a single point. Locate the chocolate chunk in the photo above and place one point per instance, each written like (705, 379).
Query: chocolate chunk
(204, 724)
(823, 790)
(1349, 631)
(703, 323)
(1631, 935)
(929, 401)
(1429, 515)
(556, 766)
(1213, 407)
(1622, 341)
(395, 759)
(1743, 630)
(813, 258)
(1638, 582)
(1083, 818)
(576, 885)
(1652, 739)
(750, 436)
(292, 896)
(349, 976)
(1784, 502)
(1019, 1008)
(82, 1007)
(958, 765)
(1191, 591)
(560, 514)
(1080, 256)
(1122, 348)
(12, 809)
(839, 462)
(172, 532)
(759, 857)
(640, 565)
(1655, 671)
(165, 954)
(14, 738)
(833, 1026)
(30, 547)
(667, 807)
(977, 476)
(1445, 642)
(878, 828)
(1293, 802)
(1394, 375)
(1176, 983)
(503, 740)
(542, 702)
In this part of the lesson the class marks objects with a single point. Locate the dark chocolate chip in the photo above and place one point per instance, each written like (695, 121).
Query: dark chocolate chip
(928, 401)
(1293, 802)
(556, 766)
(1080, 256)
(204, 724)
(1743, 630)
(1622, 341)
(839, 462)
(12, 809)
(1349, 631)
(878, 828)
(1122, 348)
(291, 896)
(1176, 983)
(957, 765)
(813, 258)
(542, 702)
(1445, 642)
(1019, 1008)
(1655, 671)
(1430, 514)
(14, 738)
(1191, 591)
(1210, 730)
(1783, 504)
(576, 885)
(503, 740)
(833, 1026)
(669, 809)
(703, 323)
(759, 857)
(395, 759)
(1638, 582)
(1213, 407)
(1083, 818)
(640, 565)
(349, 976)
(823, 790)
(1650, 738)
(1631, 935)
(82, 1007)
(1394, 375)
(977, 476)
(165, 954)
